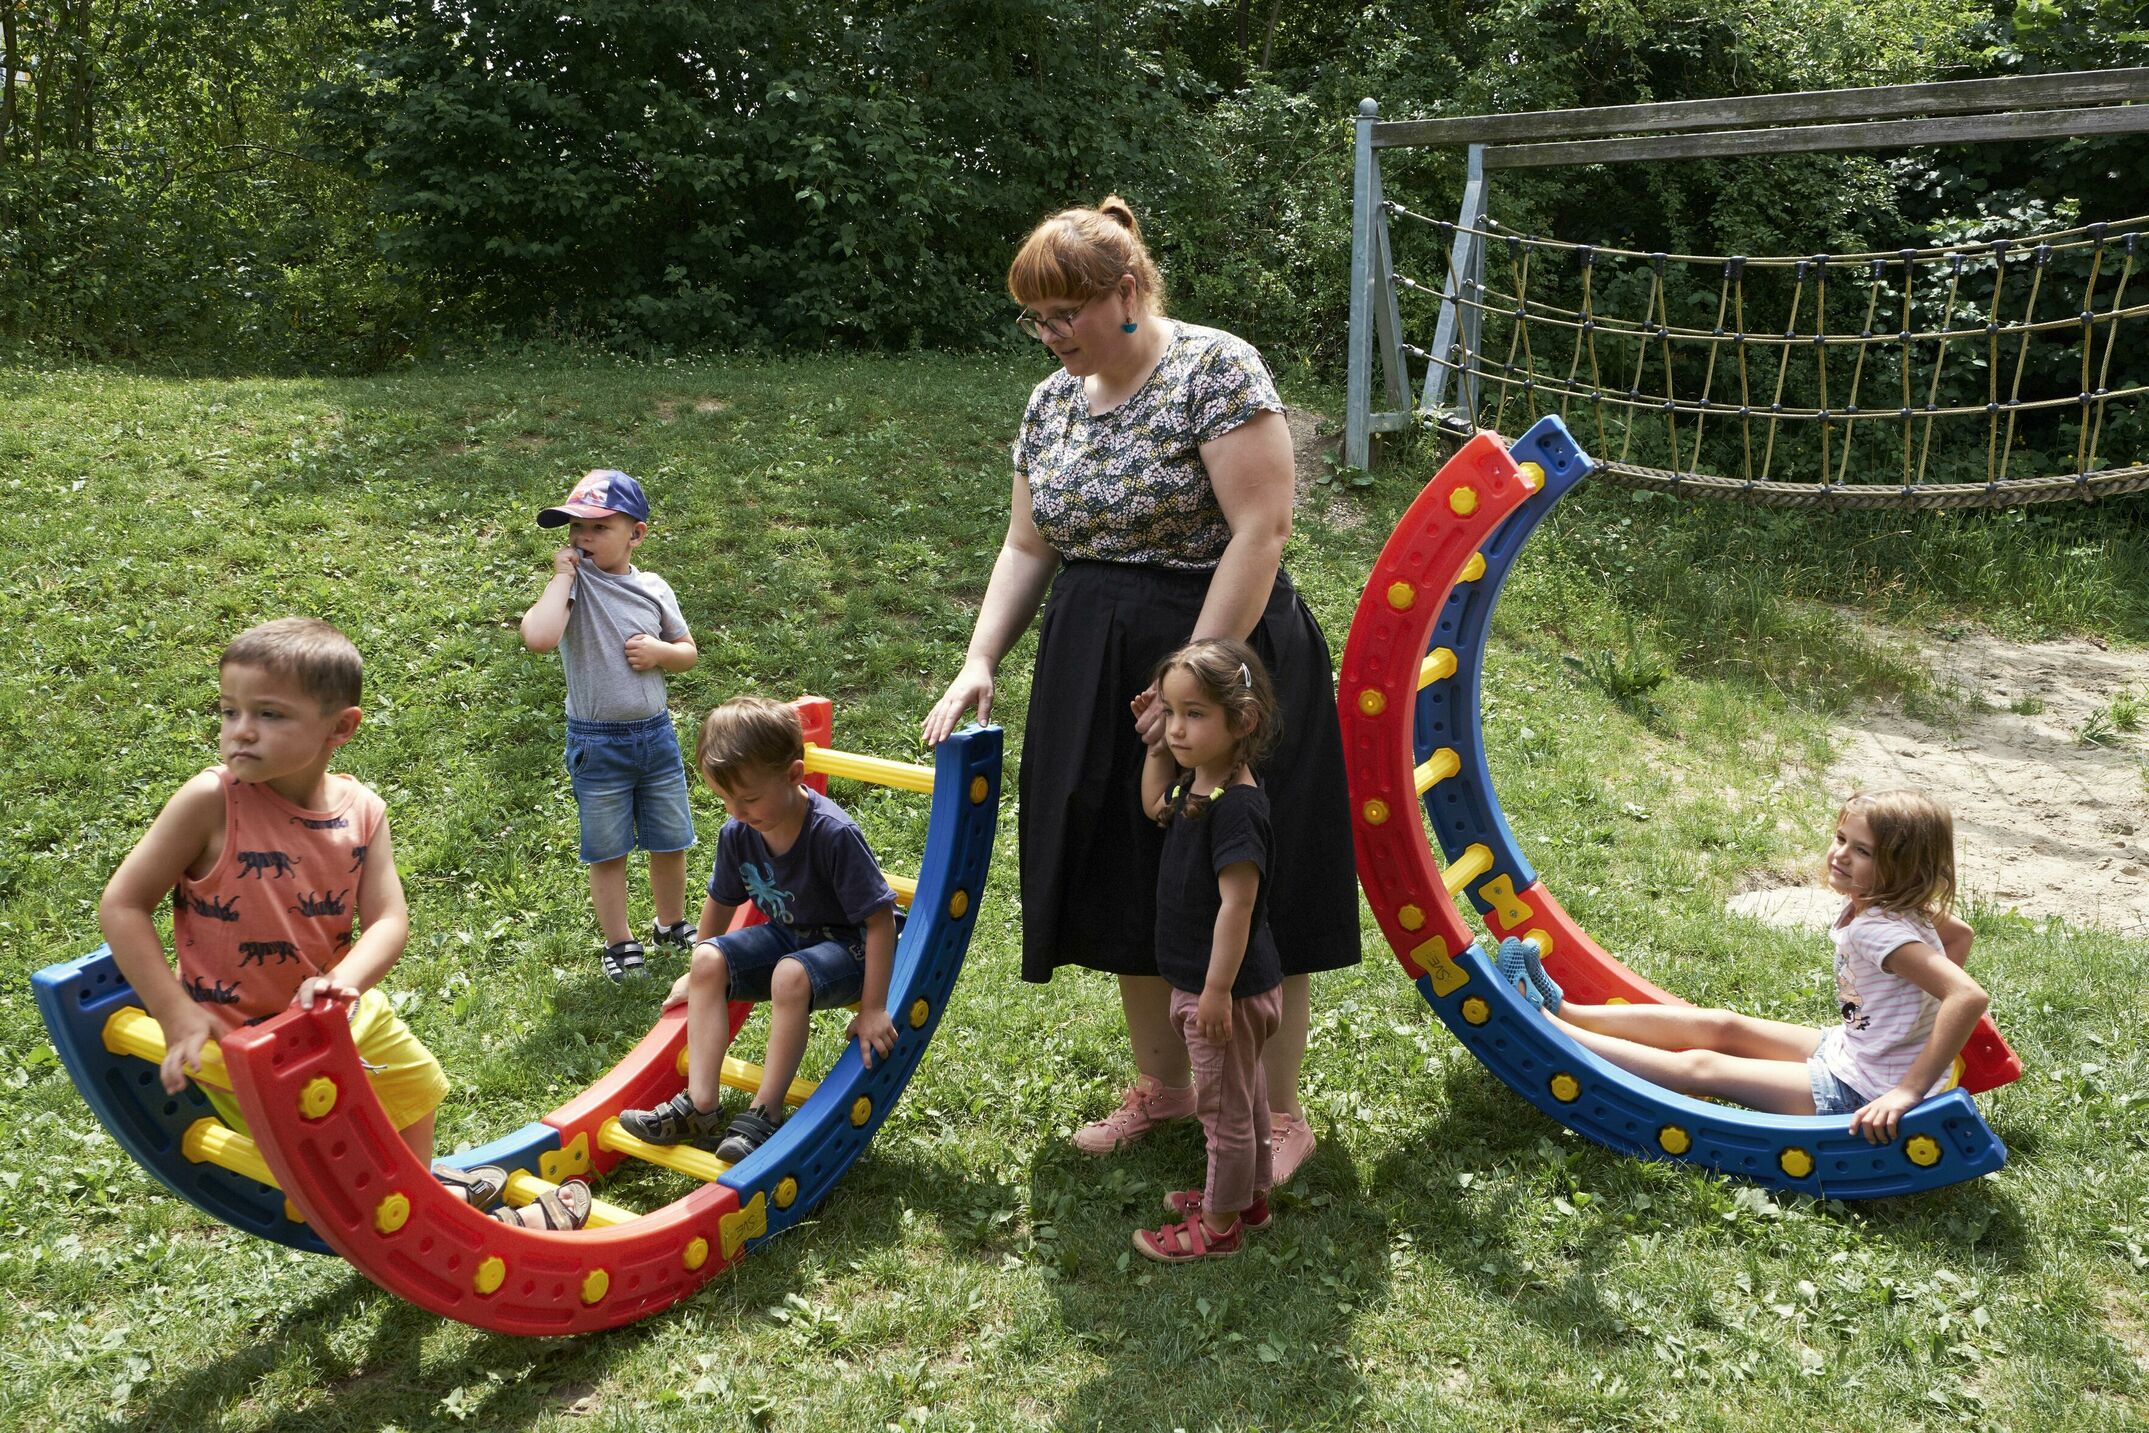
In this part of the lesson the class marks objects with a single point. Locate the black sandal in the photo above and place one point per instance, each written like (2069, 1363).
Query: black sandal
(679, 935)
(676, 1121)
(565, 1208)
(481, 1185)
(748, 1132)
(623, 961)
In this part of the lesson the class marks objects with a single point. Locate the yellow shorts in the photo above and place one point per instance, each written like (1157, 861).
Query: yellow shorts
(403, 1073)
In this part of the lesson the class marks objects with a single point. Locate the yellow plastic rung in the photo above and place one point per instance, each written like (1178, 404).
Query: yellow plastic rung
(1472, 863)
(745, 1075)
(1437, 768)
(878, 770)
(1438, 666)
(906, 889)
(211, 1141)
(524, 1188)
(131, 1031)
(695, 1163)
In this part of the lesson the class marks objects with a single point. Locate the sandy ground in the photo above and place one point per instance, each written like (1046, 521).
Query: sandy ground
(2045, 822)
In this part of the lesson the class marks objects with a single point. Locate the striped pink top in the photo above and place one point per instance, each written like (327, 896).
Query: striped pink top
(1886, 1019)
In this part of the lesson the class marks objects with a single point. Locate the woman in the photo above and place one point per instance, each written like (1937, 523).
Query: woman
(1152, 494)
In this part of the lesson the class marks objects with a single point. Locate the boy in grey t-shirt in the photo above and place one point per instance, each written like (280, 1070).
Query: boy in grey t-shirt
(619, 630)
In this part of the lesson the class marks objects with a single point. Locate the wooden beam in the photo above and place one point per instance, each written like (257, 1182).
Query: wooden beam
(2075, 89)
(1812, 139)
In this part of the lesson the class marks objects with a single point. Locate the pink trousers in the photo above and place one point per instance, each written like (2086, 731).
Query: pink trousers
(1231, 1094)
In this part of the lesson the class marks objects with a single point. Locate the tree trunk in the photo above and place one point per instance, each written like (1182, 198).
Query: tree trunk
(1268, 38)
(11, 60)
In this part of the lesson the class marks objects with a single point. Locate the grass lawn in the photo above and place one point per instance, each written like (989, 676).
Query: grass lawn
(1448, 1259)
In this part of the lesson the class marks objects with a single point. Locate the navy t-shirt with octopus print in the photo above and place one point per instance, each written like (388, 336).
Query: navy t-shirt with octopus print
(828, 877)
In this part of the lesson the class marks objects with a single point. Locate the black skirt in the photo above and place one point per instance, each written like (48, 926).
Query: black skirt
(1089, 856)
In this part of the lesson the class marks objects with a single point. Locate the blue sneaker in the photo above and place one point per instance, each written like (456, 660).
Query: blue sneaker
(1520, 967)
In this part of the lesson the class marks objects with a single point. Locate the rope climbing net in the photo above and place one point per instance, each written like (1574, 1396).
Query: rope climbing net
(1978, 371)
(1818, 380)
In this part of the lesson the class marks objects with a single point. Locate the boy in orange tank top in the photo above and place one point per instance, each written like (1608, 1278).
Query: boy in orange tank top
(274, 864)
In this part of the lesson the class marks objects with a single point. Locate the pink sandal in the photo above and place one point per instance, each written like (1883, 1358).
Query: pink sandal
(1186, 1203)
(1187, 1242)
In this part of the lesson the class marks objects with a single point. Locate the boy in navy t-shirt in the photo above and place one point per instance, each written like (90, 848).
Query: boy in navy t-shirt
(829, 938)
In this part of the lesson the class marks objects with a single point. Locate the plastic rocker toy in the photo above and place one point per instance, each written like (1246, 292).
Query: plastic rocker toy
(325, 1170)
(1412, 732)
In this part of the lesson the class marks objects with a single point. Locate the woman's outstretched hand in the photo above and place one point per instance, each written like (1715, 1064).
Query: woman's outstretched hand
(972, 687)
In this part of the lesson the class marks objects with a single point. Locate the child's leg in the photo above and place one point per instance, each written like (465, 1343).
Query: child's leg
(790, 1019)
(1687, 1027)
(667, 886)
(1778, 1086)
(708, 1025)
(1227, 1090)
(608, 893)
(419, 1136)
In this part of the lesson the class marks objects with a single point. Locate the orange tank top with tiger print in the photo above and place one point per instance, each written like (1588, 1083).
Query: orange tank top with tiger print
(280, 903)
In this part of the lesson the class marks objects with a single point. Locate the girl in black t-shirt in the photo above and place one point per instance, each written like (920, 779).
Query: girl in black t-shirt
(1213, 942)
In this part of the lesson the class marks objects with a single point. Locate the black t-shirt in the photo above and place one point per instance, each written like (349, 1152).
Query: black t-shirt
(1233, 827)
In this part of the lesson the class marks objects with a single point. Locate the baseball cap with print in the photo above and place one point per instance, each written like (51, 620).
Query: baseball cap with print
(601, 491)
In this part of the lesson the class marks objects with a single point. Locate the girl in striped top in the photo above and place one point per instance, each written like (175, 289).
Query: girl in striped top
(1905, 1002)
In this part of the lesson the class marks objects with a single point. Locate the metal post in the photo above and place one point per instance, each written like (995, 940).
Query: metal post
(1358, 391)
(1466, 269)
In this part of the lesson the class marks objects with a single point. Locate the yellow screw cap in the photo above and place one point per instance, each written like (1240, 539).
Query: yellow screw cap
(1795, 1162)
(491, 1274)
(696, 1252)
(681, 1062)
(1463, 501)
(595, 1285)
(1476, 1011)
(1474, 568)
(391, 1214)
(1372, 702)
(979, 789)
(861, 1110)
(1410, 918)
(1401, 595)
(1532, 475)
(317, 1098)
(1674, 1140)
(1375, 811)
(786, 1192)
(958, 905)
(1923, 1149)
(1565, 1088)
(920, 1012)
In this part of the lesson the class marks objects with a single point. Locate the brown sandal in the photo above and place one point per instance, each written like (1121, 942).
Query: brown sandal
(480, 1185)
(565, 1208)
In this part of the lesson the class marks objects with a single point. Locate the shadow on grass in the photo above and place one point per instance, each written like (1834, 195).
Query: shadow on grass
(1259, 1339)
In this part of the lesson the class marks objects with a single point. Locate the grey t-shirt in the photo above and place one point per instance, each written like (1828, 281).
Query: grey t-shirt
(604, 610)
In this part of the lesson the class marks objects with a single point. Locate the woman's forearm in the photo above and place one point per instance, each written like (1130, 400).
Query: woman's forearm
(1012, 595)
(1239, 590)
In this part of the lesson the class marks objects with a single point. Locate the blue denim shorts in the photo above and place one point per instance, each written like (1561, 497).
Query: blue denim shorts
(630, 787)
(1830, 1095)
(834, 957)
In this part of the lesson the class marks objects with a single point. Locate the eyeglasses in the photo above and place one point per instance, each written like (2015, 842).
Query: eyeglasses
(1036, 325)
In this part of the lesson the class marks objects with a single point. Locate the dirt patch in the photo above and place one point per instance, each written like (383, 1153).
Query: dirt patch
(1316, 447)
(710, 405)
(2047, 823)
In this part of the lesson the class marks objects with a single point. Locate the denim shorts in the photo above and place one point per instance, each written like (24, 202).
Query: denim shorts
(834, 957)
(1830, 1095)
(630, 787)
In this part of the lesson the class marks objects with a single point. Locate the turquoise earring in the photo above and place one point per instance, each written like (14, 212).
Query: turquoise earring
(1129, 327)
